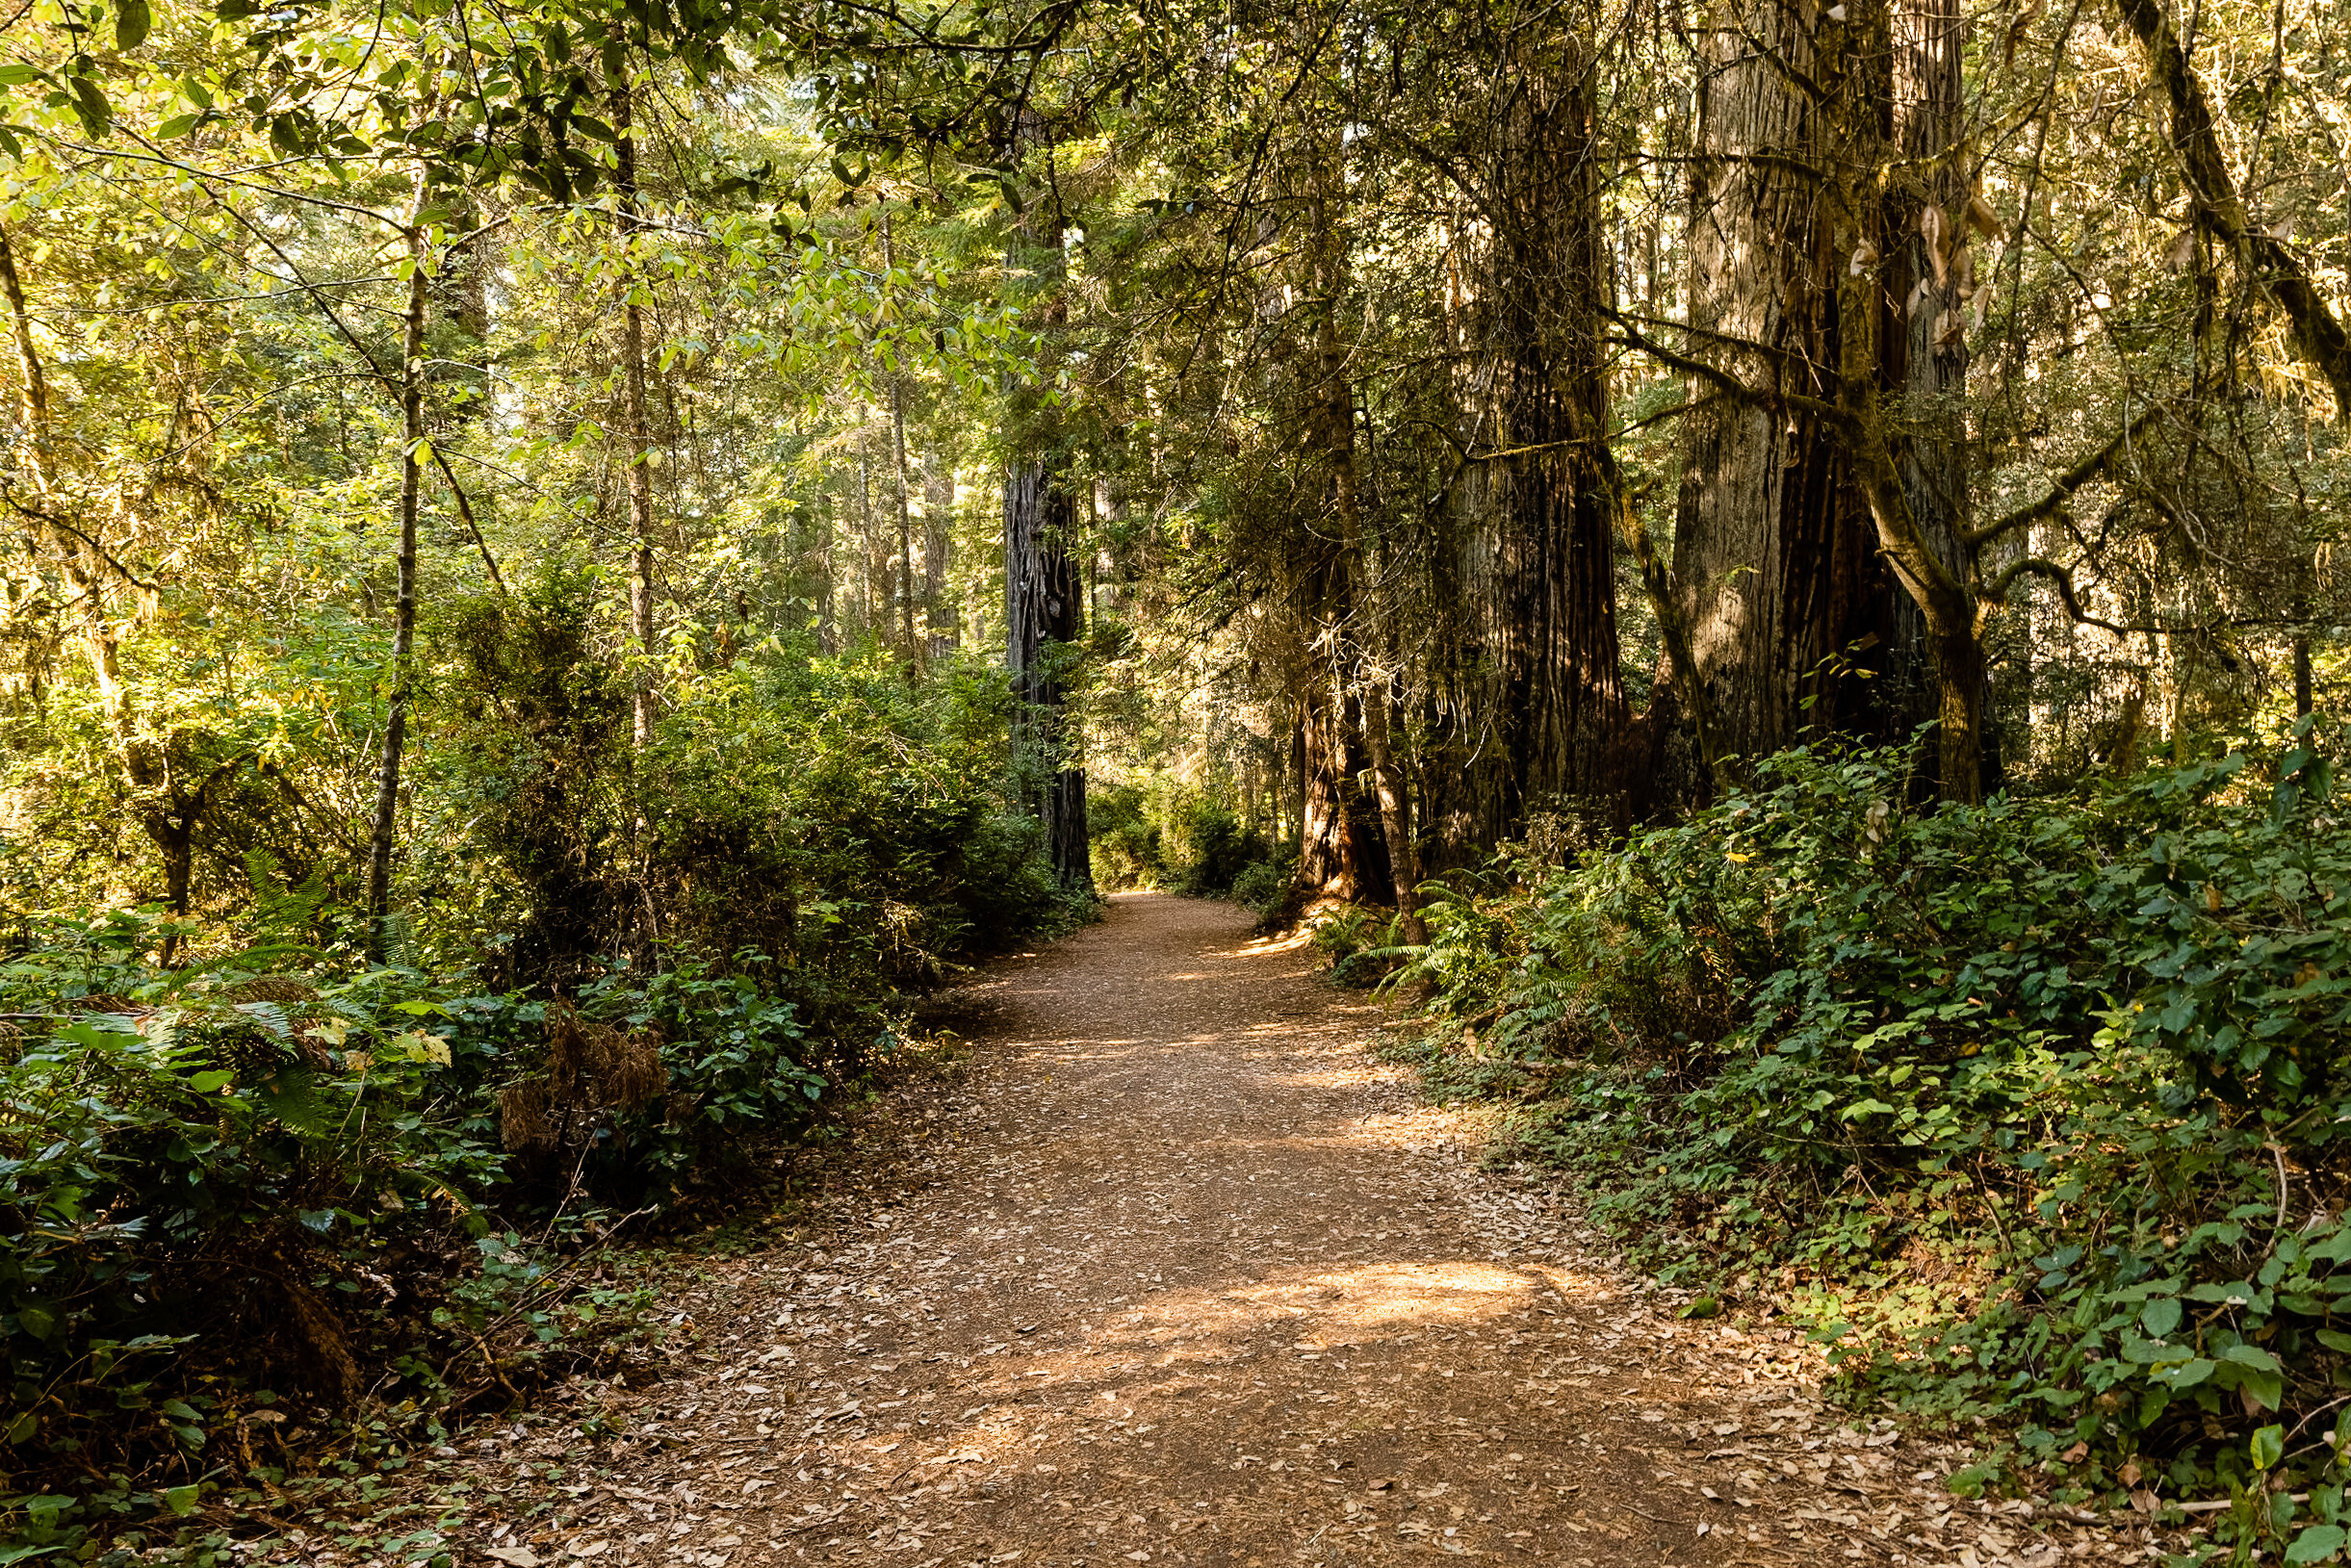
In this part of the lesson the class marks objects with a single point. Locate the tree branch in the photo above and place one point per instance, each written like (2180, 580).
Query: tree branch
(2061, 489)
(2317, 335)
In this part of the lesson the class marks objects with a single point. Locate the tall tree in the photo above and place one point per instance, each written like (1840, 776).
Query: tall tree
(1043, 620)
(1794, 621)
(1534, 714)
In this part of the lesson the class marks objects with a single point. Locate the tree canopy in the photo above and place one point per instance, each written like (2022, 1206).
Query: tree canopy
(650, 535)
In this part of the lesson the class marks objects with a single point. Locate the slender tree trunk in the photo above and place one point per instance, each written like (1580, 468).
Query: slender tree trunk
(905, 568)
(828, 580)
(640, 475)
(873, 588)
(943, 625)
(2317, 334)
(403, 615)
(31, 379)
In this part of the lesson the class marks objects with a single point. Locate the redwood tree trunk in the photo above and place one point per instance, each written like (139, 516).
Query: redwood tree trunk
(1342, 843)
(1793, 622)
(1043, 611)
(1531, 715)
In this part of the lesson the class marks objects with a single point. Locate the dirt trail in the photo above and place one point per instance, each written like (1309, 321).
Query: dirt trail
(1188, 1278)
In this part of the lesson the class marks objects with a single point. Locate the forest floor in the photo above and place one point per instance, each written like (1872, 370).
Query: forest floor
(1177, 1273)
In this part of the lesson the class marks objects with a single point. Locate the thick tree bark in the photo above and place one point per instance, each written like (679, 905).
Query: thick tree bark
(1355, 619)
(1043, 611)
(1907, 480)
(1794, 624)
(1818, 558)
(1923, 363)
(1532, 714)
(403, 615)
(1342, 843)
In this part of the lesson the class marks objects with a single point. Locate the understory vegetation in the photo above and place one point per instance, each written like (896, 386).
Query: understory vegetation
(2033, 1111)
(276, 1186)
(569, 563)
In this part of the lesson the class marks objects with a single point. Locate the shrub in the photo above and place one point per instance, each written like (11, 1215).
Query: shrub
(287, 1171)
(1217, 850)
(1126, 841)
(1262, 884)
(2036, 1107)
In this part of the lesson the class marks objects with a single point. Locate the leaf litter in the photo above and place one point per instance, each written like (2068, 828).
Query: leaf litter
(1183, 1275)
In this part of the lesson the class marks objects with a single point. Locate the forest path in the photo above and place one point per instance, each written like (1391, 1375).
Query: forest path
(1183, 1277)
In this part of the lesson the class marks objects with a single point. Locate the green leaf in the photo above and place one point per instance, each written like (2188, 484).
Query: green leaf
(38, 1321)
(180, 1500)
(2251, 1356)
(90, 107)
(2268, 1447)
(15, 74)
(2160, 1316)
(131, 24)
(2317, 1544)
(292, 1097)
(211, 1081)
(27, 1427)
(2334, 1338)
(2185, 1377)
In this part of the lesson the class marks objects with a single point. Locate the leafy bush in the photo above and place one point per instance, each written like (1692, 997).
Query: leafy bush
(2038, 1107)
(190, 1159)
(1262, 884)
(286, 1172)
(1361, 945)
(1126, 841)
(1217, 850)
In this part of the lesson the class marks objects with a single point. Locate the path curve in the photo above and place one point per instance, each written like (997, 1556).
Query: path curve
(1184, 1277)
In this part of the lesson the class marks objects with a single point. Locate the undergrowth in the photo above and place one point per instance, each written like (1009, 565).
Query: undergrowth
(275, 1210)
(2035, 1111)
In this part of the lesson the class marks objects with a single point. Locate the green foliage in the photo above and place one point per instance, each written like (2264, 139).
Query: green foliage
(1262, 884)
(1126, 842)
(1214, 851)
(280, 1167)
(188, 1157)
(1361, 945)
(2036, 1107)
